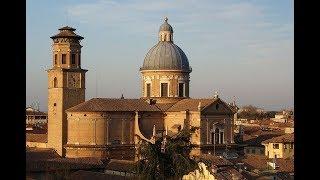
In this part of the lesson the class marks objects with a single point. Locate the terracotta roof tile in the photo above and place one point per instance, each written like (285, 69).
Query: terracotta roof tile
(260, 162)
(191, 104)
(43, 138)
(216, 160)
(108, 104)
(164, 106)
(281, 139)
(257, 140)
(37, 154)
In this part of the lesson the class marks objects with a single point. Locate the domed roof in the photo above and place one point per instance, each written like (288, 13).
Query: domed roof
(166, 56)
(166, 26)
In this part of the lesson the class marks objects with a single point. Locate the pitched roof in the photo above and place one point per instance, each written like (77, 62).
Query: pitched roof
(164, 106)
(46, 159)
(228, 173)
(43, 138)
(260, 162)
(257, 140)
(191, 104)
(67, 32)
(287, 138)
(36, 154)
(109, 104)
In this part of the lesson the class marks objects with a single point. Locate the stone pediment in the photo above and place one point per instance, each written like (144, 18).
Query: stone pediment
(217, 107)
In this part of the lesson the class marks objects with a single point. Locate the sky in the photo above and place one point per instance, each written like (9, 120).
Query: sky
(241, 49)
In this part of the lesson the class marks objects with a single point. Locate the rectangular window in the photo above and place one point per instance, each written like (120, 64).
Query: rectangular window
(164, 89)
(181, 89)
(64, 57)
(221, 137)
(55, 58)
(275, 146)
(148, 90)
(73, 58)
(79, 60)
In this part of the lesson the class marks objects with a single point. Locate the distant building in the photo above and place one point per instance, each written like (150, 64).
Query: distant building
(280, 147)
(34, 116)
(283, 116)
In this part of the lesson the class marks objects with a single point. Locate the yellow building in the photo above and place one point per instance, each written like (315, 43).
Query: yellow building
(108, 127)
(280, 147)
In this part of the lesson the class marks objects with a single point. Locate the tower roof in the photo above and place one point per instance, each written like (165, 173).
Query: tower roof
(67, 32)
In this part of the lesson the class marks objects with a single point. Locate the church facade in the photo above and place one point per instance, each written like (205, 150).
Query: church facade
(114, 127)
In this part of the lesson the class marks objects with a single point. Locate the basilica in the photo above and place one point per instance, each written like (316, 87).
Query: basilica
(114, 127)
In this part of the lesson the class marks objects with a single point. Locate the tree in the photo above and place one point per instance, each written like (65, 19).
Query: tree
(173, 163)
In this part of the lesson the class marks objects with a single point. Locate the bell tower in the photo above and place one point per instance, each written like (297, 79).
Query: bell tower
(66, 85)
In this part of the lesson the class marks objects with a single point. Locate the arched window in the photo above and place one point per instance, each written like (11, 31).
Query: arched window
(216, 135)
(55, 82)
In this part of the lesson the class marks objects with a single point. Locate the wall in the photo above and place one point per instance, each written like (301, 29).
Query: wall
(171, 77)
(281, 152)
(36, 144)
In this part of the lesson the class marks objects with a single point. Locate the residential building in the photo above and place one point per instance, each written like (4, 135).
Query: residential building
(35, 117)
(280, 147)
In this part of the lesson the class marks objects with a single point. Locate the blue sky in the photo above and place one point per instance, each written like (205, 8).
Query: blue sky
(238, 48)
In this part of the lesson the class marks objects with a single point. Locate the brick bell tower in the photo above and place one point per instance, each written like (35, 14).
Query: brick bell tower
(66, 85)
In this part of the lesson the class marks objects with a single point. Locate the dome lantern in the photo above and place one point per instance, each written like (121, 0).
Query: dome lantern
(166, 31)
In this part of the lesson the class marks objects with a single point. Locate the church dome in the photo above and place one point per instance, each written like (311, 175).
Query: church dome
(165, 55)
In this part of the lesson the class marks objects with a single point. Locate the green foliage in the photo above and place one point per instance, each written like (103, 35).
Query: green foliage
(173, 163)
